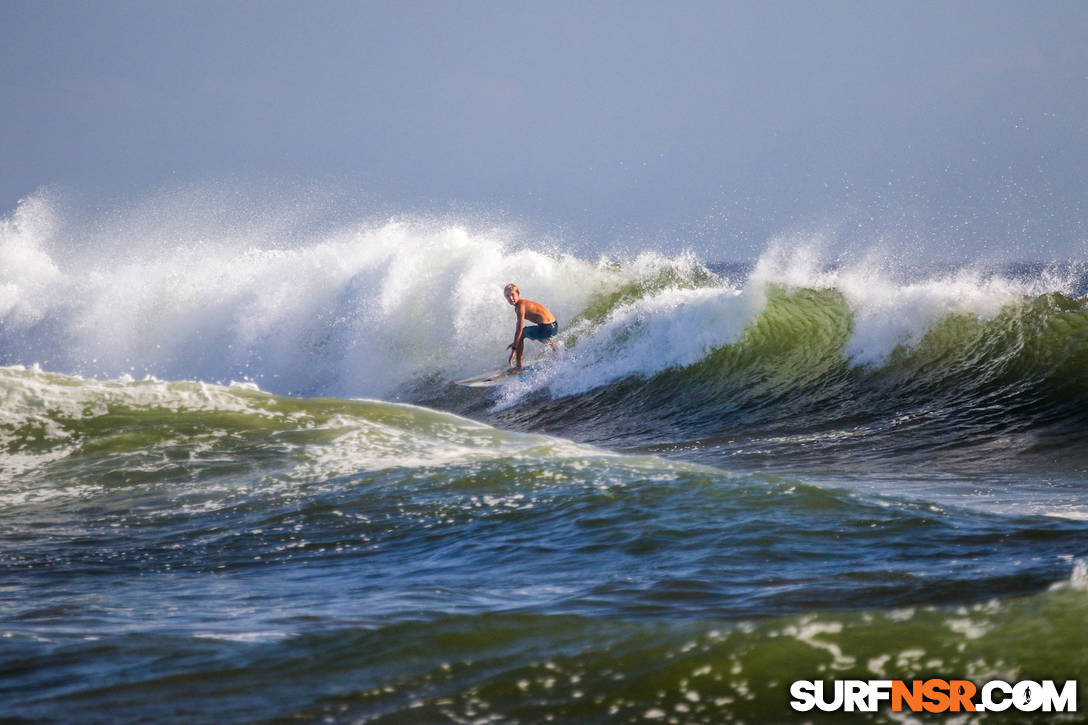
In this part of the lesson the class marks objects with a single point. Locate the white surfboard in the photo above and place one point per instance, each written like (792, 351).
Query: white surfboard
(498, 377)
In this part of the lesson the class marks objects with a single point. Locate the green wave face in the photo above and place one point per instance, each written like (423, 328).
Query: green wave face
(795, 367)
(801, 336)
(1038, 339)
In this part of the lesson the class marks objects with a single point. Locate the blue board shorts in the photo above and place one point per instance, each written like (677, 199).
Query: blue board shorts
(542, 332)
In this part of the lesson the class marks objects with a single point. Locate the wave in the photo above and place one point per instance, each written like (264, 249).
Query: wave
(658, 351)
(363, 309)
(801, 364)
(421, 565)
(201, 459)
(1012, 380)
(67, 437)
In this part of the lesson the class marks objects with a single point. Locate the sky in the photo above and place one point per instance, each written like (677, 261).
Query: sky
(958, 127)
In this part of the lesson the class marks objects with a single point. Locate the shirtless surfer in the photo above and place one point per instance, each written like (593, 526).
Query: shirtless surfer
(544, 330)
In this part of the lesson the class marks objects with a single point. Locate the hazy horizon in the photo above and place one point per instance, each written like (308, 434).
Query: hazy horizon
(956, 129)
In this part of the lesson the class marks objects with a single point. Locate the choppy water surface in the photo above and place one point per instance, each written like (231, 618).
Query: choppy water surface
(729, 479)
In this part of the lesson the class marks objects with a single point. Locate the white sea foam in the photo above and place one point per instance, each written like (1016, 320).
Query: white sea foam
(675, 327)
(359, 310)
(303, 442)
(889, 309)
(1078, 578)
(177, 291)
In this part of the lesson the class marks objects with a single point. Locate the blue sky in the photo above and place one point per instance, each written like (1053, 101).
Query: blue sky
(956, 126)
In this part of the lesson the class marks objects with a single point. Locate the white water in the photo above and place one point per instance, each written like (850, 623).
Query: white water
(363, 309)
(49, 452)
(889, 309)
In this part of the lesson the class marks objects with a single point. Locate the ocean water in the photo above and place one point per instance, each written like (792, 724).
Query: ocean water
(238, 485)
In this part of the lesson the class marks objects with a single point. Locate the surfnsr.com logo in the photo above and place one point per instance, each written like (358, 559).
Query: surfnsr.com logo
(934, 695)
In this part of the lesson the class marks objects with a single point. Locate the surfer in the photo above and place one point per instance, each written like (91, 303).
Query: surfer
(544, 330)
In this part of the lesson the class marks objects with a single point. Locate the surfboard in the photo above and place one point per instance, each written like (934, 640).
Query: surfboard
(498, 377)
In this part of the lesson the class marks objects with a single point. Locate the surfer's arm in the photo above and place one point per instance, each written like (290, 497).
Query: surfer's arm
(519, 326)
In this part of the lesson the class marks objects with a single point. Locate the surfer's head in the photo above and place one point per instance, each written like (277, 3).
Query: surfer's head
(511, 293)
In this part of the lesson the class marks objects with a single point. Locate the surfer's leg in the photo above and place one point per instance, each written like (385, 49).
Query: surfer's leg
(553, 331)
